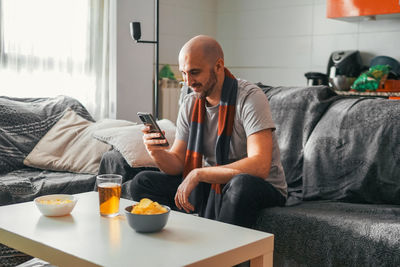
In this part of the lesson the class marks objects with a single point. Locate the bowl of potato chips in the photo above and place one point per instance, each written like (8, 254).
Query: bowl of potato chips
(56, 205)
(147, 216)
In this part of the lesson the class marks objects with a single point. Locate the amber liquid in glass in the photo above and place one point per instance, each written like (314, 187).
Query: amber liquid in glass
(109, 195)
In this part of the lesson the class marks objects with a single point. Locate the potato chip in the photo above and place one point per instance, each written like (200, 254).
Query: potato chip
(55, 201)
(147, 206)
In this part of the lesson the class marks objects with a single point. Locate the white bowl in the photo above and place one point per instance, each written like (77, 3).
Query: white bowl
(56, 205)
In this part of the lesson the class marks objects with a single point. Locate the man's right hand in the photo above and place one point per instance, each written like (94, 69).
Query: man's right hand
(169, 160)
(150, 142)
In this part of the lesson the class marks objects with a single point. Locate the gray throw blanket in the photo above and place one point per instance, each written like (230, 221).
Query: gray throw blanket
(296, 111)
(353, 154)
(337, 147)
(24, 121)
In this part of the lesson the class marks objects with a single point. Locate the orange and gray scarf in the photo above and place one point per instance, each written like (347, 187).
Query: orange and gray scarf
(226, 115)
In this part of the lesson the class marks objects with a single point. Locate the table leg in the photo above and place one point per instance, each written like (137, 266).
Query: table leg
(265, 260)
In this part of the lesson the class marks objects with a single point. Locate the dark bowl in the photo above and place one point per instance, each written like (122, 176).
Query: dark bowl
(147, 223)
(385, 60)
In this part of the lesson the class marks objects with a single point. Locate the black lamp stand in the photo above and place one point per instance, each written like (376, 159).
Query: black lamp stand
(136, 35)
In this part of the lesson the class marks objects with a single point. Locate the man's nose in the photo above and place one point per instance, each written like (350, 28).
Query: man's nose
(189, 80)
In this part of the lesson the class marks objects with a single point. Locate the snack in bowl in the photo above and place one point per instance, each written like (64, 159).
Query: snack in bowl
(55, 205)
(147, 216)
(146, 206)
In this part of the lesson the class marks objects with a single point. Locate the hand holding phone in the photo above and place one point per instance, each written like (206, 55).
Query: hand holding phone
(149, 120)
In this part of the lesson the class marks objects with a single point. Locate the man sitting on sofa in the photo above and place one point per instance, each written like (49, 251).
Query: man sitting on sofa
(227, 123)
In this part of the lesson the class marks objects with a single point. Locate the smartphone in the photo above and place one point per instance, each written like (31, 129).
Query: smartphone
(149, 120)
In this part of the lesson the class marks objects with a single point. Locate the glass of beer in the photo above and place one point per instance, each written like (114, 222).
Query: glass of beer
(109, 187)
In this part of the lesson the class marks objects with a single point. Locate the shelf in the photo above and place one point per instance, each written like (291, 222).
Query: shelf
(379, 94)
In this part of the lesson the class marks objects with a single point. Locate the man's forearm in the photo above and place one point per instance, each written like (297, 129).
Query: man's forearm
(222, 174)
(168, 162)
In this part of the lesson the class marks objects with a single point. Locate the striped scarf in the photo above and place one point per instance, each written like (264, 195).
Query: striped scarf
(226, 114)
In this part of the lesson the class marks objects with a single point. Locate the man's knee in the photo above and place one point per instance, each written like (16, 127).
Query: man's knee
(240, 182)
(156, 186)
(241, 188)
(140, 181)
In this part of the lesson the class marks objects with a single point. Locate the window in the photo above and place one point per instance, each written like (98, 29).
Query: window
(51, 47)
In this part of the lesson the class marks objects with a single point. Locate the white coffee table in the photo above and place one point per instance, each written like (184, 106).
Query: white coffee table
(84, 238)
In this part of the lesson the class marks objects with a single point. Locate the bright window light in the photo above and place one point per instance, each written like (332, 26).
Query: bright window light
(45, 48)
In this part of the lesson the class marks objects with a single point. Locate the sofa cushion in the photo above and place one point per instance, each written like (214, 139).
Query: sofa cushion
(353, 153)
(69, 145)
(324, 233)
(24, 121)
(129, 142)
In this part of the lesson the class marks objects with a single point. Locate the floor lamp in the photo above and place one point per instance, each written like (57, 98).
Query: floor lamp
(136, 35)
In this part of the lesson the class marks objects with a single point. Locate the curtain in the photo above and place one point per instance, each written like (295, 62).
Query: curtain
(56, 47)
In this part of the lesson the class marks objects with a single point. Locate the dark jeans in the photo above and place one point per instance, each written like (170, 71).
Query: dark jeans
(242, 197)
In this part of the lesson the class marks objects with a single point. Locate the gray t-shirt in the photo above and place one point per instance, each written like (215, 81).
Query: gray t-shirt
(252, 115)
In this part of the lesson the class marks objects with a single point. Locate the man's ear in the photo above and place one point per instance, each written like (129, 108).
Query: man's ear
(219, 65)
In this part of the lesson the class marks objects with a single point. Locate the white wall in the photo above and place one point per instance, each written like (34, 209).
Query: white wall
(276, 42)
(133, 62)
(180, 20)
(133, 75)
(269, 41)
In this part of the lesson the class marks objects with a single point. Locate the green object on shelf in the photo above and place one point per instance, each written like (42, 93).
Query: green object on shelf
(371, 79)
(166, 72)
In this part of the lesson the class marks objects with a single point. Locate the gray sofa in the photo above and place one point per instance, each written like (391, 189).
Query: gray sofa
(23, 122)
(341, 157)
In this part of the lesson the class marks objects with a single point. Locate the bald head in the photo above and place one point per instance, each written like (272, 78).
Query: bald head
(204, 47)
(201, 62)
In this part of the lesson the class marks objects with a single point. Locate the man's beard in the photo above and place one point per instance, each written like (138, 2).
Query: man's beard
(209, 86)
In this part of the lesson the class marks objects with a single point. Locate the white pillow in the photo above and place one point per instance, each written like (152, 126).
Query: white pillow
(69, 145)
(129, 142)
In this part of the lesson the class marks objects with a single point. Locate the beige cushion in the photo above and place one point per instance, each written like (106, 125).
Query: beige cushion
(69, 145)
(129, 142)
